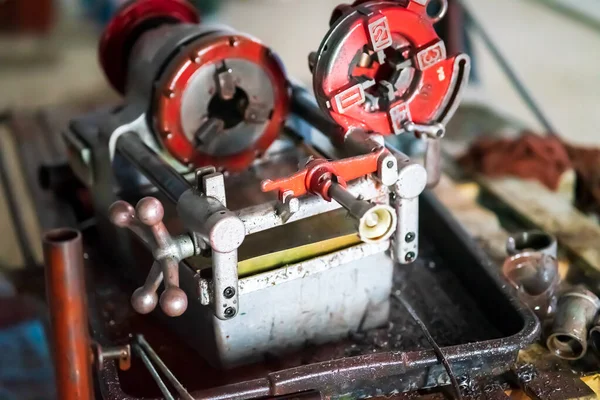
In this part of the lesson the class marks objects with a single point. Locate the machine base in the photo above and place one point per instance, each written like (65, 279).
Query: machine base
(309, 303)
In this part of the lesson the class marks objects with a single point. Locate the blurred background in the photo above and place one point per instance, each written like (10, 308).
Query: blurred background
(48, 51)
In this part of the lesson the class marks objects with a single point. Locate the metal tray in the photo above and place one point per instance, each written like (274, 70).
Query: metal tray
(456, 290)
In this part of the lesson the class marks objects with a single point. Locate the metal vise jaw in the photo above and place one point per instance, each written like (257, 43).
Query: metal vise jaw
(205, 215)
(211, 226)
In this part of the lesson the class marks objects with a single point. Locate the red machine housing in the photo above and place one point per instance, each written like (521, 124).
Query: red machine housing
(341, 84)
(130, 21)
(209, 47)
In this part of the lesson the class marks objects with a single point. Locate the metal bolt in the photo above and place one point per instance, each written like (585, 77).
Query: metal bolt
(122, 354)
(410, 257)
(390, 164)
(410, 237)
(229, 292)
(229, 312)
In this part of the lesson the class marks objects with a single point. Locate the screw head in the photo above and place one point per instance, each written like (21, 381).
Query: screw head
(410, 257)
(410, 237)
(229, 312)
(229, 292)
(390, 164)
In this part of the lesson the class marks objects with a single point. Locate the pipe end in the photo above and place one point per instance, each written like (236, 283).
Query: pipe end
(377, 224)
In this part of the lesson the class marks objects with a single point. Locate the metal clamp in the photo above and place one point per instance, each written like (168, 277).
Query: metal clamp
(328, 179)
(204, 214)
(412, 180)
(146, 222)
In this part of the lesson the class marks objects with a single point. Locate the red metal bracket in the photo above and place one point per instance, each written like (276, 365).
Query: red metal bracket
(318, 175)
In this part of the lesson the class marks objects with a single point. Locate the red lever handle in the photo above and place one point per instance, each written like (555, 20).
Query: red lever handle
(319, 174)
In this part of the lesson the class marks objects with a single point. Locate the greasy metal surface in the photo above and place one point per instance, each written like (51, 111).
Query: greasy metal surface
(266, 248)
(543, 376)
(315, 301)
(66, 293)
(455, 290)
(114, 312)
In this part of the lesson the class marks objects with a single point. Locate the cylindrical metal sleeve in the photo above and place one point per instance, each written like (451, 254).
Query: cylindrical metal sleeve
(161, 174)
(65, 288)
(574, 315)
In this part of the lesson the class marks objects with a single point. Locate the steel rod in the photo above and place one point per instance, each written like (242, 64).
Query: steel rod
(164, 369)
(304, 106)
(161, 384)
(152, 166)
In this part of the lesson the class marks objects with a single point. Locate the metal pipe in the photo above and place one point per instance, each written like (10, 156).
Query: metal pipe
(146, 161)
(65, 288)
(574, 315)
